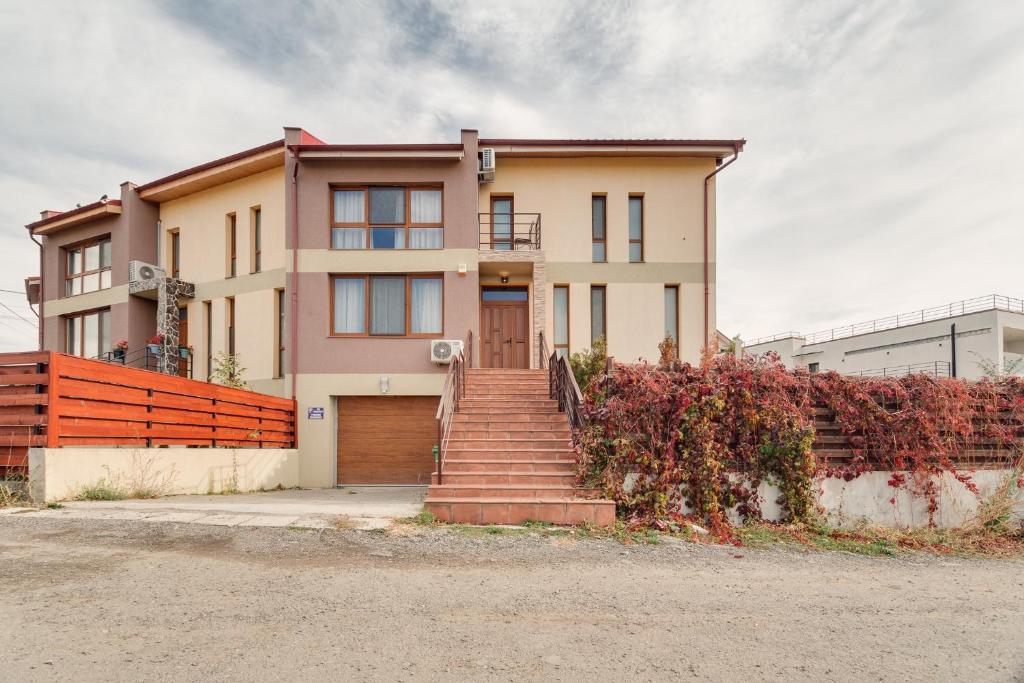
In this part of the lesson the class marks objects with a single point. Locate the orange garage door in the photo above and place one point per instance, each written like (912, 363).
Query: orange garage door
(386, 440)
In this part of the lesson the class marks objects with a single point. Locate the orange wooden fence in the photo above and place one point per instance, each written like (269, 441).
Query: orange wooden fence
(52, 399)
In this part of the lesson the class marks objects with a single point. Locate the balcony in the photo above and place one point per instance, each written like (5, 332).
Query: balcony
(509, 231)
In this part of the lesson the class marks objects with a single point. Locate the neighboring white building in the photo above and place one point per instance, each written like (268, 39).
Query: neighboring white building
(956, 340)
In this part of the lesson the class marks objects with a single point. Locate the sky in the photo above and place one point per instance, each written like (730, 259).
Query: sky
(881, 173)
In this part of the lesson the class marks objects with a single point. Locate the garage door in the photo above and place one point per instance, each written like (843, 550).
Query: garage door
(386, 440)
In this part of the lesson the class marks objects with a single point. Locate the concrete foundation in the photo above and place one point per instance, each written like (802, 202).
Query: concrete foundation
(61, 473)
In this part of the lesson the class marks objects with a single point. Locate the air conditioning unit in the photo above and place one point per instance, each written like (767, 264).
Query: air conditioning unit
(443, 350)
(140, 271)
(487, 166)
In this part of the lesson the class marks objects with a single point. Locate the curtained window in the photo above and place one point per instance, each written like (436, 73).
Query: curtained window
(426, 305)
(349, 306)
(388, 305)
(387, 217)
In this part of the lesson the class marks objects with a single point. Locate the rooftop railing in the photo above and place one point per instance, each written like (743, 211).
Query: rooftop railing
(956, 308)
(938, 368)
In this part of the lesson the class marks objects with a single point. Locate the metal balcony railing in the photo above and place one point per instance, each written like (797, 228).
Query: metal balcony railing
(938, 368)
(976, 305)
(145, 359)
(509, 231)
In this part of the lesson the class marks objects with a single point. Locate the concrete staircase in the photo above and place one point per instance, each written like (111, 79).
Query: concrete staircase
(510, 457)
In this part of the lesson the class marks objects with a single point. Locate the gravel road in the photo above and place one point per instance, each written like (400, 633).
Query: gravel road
(117, 600)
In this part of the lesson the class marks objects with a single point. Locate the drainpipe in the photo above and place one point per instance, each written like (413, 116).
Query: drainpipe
(952, 349)
(42, 297)
(295, 276)
(707, 284)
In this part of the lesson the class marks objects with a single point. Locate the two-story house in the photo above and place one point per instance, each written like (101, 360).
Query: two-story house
(329, 269)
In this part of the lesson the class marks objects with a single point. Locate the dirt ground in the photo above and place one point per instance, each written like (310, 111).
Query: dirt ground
(122, 600)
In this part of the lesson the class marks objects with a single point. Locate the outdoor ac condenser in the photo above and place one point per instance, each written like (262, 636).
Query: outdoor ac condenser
(443, 350)
(487, 165)
(140, 271)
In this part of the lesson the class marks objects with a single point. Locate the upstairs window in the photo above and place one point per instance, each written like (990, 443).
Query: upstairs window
(256, 239)
(87, 267)
(232, 239)
(636, 229)
(598, 221)
(387, 217)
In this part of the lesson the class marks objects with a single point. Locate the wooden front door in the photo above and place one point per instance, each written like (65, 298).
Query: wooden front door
(504, 327)
(386, 440)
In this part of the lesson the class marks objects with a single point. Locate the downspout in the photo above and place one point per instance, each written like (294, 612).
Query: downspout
(42, 297)
(707, 277)
(295, 277)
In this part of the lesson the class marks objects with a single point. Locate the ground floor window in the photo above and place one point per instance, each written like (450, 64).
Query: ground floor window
(387, 305)
(672, 313)
(87, 334)
(561, 320)
(597, 313)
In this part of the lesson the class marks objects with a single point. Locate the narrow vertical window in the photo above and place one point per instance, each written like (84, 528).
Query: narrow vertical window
(279, 369)
(232, 239)
(636, 229)
(672, 313)
(257, 240)
(597, 313)
(561, 321)
(231, 324)
(175, 253)
(598, 234)
(208, 337)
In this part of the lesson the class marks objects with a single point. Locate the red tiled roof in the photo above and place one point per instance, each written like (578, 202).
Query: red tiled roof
(212, 164)
(73, 212)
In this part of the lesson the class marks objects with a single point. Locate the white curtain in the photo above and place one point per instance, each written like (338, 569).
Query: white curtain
(348, 238)
(561, 315)
(426, 305)
(425, 206)
(426, 238)
(349, 306)
(91, 336)
(387, 305)
(349, 206)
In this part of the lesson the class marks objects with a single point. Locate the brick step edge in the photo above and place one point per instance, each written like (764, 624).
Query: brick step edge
(562, 511)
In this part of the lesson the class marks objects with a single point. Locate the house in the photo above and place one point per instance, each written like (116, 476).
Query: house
(330, 270)
(969, 339)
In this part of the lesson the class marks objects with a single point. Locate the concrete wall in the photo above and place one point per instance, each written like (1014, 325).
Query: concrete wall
(59, 473)
(979, 335)
(560, 189)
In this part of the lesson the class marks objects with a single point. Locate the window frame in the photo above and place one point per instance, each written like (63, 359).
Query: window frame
(79, 248)
(368, 313)
(593, 238)
(604, 313)
(208, 337)
(175, 255)
(66, 319)
(366, 225)
(676, 289)
(232, 239)
(643, 219)
(555, 346)
(511, 213)
(256, 238)
(279, 299)
(229, 303)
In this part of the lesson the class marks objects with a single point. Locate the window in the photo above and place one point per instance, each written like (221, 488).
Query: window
(672, 313)
(387, 305)
(502, 223)
(175, 253)
(230, 302)
(232, 223)
(636, 229)
(561, 320)
(813, 367)
(279, 367)
(256, 240)
(87, 267)
(387, 218)
(597, 313)
(87, 334)
(208, 337)
(598, 220)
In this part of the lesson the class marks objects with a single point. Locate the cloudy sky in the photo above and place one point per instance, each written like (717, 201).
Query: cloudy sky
(882, 172)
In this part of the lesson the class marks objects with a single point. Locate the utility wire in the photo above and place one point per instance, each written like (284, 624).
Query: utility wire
(12, 291)
(19, 315)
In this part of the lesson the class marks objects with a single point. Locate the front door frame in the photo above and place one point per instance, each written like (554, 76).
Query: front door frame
(486, 360)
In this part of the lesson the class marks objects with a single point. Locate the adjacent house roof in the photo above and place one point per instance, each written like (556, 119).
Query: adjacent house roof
(532, 147)
(56, 220)
(214, 172)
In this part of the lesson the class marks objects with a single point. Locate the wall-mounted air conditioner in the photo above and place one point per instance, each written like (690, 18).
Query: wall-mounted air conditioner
(487, 165)
(443, 350)
(140, 271)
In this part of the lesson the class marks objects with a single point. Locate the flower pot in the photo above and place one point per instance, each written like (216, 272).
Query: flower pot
(153, 348)
(183, 351)
(119, 353)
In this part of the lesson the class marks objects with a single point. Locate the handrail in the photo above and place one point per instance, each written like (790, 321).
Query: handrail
(454, 389)
(144, 359)
(564, 388)
(515, 231)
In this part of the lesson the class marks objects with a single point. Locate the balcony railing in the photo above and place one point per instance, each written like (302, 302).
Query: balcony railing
(938, 368)
(509, 231)
(146, 359)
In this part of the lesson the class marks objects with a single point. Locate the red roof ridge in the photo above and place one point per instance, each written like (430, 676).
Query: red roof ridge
(73, 212)
(212, 164)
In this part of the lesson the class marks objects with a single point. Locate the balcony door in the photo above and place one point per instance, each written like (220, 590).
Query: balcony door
(501, 223)
(504, 327)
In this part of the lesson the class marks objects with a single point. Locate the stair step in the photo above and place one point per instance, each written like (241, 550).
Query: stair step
(455, 454)
(459, 490)
(505, 417)
(512, 479)
(599, 512)
(522, 444)
(506, 410)
(462, 433)
(500, 466)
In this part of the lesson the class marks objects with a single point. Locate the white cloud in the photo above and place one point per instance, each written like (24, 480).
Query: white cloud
(880, 173)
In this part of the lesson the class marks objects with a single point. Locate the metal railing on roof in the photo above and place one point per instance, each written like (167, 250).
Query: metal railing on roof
(956, 308)
(938, 368)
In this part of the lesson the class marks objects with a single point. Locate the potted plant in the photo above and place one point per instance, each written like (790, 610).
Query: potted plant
(120, 349)
(183, 351)
(155, 342)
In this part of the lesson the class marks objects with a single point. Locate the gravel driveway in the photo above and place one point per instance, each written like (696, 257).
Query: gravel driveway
(123, 600)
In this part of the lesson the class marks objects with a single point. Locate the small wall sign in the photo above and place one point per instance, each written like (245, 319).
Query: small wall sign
(315, 413)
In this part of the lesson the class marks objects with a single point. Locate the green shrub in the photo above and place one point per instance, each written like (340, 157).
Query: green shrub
(589, 363)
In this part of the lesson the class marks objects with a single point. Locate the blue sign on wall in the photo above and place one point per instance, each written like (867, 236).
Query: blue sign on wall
(316, 413)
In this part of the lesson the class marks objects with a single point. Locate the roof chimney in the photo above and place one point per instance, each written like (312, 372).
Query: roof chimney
(49, 213)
